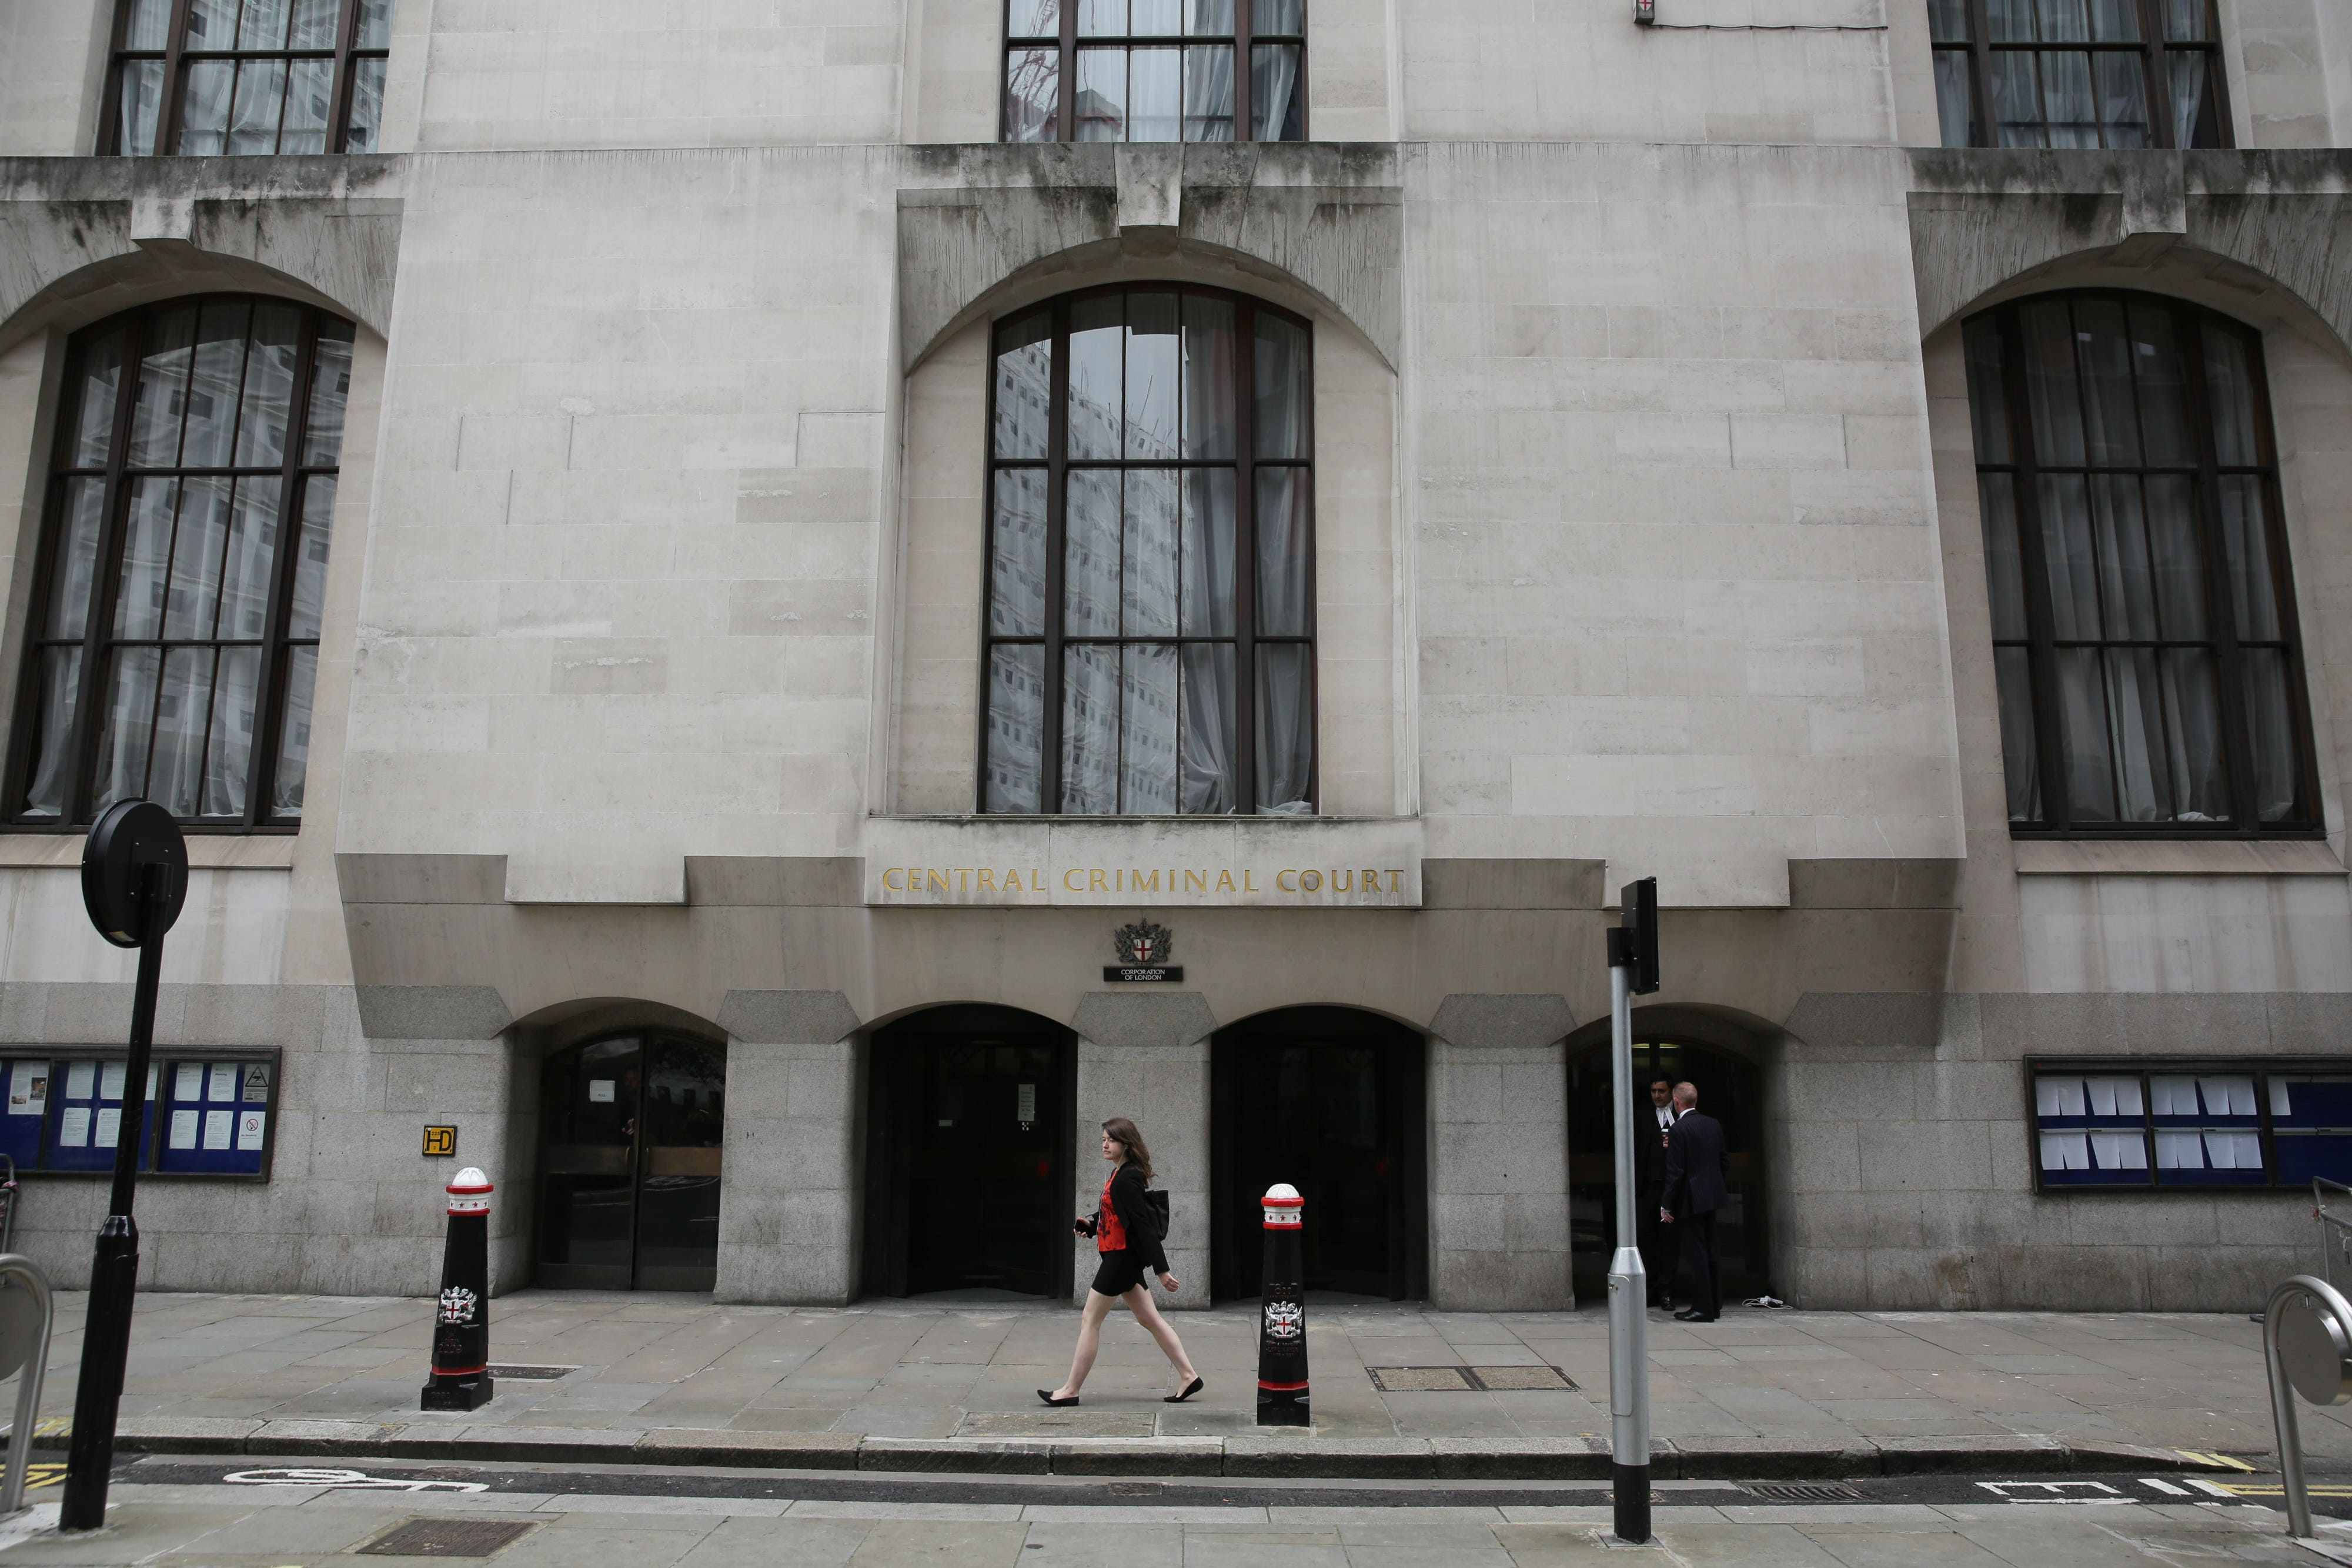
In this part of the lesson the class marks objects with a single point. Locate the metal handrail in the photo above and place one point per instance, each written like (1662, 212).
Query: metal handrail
(2333, 1225)
(18, 1271)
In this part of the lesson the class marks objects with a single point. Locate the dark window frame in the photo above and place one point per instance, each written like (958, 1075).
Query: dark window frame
(2151, 47)
(1066, 42)
(2222, 636)
(2261, 1070)
(1056, 465)
(96, 640)
(176, 56)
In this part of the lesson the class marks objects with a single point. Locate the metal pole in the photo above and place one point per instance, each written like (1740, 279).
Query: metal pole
(23, 1273)
(1629, 1294)
(114, 1267)
(2283, 1419)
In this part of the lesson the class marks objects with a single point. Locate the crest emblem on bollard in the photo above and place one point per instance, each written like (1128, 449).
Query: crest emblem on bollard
(1284, 1320)
(457, 1305)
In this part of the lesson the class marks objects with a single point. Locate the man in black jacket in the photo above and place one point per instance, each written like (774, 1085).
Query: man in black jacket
(1696, 1166)
(1651, 1123)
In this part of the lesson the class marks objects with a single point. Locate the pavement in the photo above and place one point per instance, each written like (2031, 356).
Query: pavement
(1400, 1391)
(283, 1520)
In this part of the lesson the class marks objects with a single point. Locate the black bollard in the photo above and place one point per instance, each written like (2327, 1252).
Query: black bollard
(135, 879)
(1282, 1320)
(461, 1319)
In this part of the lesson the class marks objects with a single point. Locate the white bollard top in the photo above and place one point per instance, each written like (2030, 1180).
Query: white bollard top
(471, 1179)
(1280, 1189)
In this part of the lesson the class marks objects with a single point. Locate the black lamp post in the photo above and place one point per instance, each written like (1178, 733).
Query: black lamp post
(134, 878)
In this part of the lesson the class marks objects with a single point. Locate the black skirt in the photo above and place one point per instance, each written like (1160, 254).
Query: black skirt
(1121, 1272)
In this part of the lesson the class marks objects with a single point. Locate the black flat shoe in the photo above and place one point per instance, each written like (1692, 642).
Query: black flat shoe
(1686, 1316)
(1189, 1389)
(1057, 1404)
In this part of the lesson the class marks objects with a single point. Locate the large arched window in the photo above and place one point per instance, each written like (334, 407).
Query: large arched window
(1150, 616)
(205, 77)
(1155, 70)
(2143, 615)
(175, 617)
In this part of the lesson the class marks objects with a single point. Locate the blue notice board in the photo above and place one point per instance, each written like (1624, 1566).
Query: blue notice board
(86, 1116)
(216, 1115)
(26, 1086)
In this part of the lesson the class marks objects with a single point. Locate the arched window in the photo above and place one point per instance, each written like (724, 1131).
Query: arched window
(2143, 615)
(1150, 616)
(206, 77)
(175, 617)
(1155, 70)
(2079, 73)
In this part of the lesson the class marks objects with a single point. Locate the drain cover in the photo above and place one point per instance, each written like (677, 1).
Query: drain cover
(1135, 1489)
(1512, 1379)
(1469, 1379)
(531, 1374)
(446, 1538)
(1419, 1379)
(1802, 1491)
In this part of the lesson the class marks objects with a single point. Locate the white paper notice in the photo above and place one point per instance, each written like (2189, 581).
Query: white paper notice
(2282, 1103)
(2059, 1096)
(249, 1125)
(217, 1125)
(2065, 1152)
(81, 1079)
(600, 1091)
(2173, 1096)
(2119, 1151)
(108, 1127)
(29, 1088)
(2113, 1096)
(224, 1081)
(183, 1129)
(111, 1080)
(2228, 1096)
(2179, 1152)
(2234, 1151)
(188, 1083)
(1026, 1112)
(73, 1127)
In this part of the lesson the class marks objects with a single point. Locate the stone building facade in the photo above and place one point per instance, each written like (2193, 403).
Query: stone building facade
(653, 687)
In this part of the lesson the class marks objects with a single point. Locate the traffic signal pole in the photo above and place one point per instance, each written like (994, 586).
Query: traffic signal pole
(1632, 967)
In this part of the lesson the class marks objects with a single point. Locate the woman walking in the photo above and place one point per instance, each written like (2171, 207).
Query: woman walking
(1127, 1237)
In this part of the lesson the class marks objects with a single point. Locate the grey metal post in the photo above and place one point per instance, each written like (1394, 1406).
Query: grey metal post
(23, 1273)
(2316, 1362)
(1629, 1289)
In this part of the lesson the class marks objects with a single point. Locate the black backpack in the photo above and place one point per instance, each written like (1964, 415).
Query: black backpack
(1156, 1199)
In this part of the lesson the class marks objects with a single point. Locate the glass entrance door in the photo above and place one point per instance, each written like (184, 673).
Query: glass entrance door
(985, 1196)
(1327, 1101)
(968, 1155)
(632, 1131)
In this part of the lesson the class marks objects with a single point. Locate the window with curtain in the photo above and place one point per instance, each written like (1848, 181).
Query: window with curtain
(240, 78)
(1151, 595)
(2079, 73)
(1155, 70)
(175, 642)
(2143, 614)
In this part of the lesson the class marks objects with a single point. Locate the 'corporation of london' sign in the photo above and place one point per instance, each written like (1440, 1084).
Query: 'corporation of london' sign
(1279, 863)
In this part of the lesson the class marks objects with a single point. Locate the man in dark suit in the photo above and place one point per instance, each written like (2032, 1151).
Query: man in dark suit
(1696, 1169)
(1651, 1123)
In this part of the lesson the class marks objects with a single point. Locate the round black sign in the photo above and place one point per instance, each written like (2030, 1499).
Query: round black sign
(131, 836)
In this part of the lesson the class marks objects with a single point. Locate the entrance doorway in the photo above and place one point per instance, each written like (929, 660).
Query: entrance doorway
(1731, 1089)
(969, 1160)
(1331, 1101)
(632, 1134)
